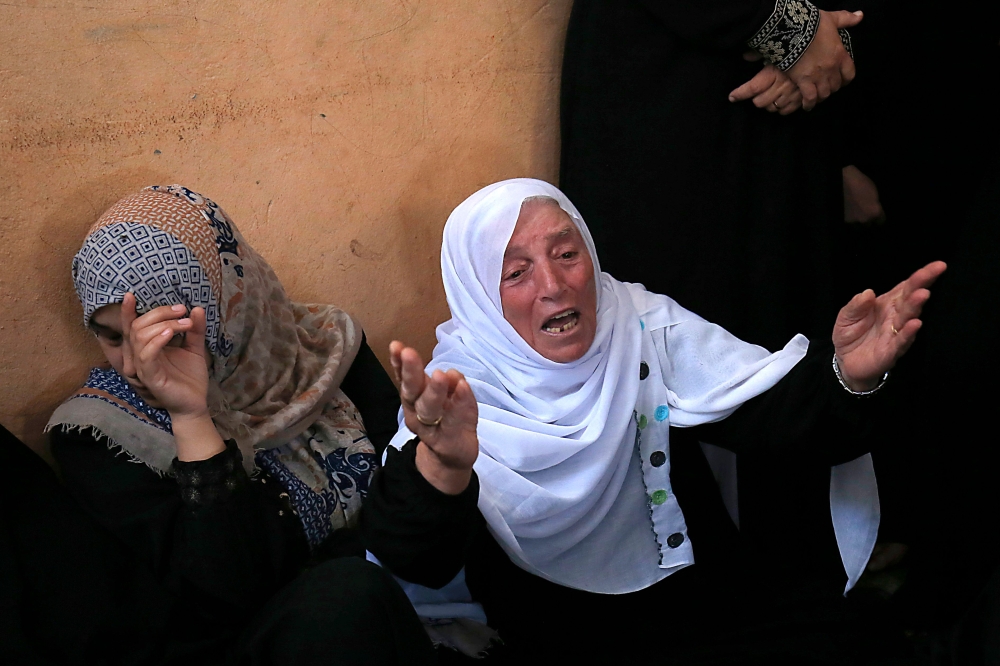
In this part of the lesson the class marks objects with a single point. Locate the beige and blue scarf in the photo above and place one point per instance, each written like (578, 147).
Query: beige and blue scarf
(276, 365)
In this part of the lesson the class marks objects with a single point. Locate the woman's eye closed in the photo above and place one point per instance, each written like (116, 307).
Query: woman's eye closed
(113, 340)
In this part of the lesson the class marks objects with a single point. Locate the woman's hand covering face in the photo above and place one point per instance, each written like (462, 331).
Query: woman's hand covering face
(175, 372)
(872, 332)
(449, 447)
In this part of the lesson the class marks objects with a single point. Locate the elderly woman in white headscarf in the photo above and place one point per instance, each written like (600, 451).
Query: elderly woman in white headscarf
(551, 447)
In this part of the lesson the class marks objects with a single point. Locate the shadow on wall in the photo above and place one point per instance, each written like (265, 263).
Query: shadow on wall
(406, 256)
(53, 258)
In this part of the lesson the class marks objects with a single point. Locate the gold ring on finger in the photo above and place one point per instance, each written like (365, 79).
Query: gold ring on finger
(894, 331)
(429, 424)
(775, 103)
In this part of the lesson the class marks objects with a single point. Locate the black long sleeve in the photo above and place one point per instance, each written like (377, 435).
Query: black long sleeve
(229, 552)
(807, 405)
(722, 24)
(368, 386)
(421, 534)
(424, 536)
(225, 556)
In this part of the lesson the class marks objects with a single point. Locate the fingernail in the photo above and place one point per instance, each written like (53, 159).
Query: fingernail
(178, 308)
(184, 321)
(732, 99)
(167, 332)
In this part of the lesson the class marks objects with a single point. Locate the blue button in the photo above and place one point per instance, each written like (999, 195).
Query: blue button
(661, 413)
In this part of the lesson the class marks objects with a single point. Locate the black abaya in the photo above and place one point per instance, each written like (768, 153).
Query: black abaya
(722, 610)
(73, 594)
(725, 207)
(728, 209)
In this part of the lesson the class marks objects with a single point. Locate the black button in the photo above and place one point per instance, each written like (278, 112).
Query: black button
(643, 371)
(657, 458)
(675, 539)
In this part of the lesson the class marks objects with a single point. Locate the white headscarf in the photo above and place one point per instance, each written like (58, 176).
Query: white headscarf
(564, 476)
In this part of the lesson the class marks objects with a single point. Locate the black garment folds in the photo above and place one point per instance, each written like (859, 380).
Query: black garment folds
(138, 573)
(719, 609)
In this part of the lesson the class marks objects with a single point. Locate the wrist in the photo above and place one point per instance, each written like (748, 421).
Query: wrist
(189, 416)
(196, 436)
(449, 480)
(787, 33)
(859, 387)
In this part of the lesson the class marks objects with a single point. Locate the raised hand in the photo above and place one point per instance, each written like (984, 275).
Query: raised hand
(441, 410)
(770, 89)
(166, 350)
(826, 65)
(872, 333)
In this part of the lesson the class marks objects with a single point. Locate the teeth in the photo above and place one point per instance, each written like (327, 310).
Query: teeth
(559, 329)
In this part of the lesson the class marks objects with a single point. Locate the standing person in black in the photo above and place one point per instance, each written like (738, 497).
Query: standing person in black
(932, 168)
(733, 211)
(549, 451)
(221, 455)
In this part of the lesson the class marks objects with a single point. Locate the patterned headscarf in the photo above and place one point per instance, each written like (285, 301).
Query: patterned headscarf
(276, 365)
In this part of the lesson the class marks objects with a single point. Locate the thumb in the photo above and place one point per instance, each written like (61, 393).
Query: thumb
(194, 340)
(467, 399)
(758, 84)
(857, 308)
(844, 19)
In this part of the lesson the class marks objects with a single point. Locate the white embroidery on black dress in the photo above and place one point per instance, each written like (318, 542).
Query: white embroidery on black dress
(787, 33)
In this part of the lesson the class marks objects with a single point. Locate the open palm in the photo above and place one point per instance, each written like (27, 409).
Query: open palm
(872, 333)
(441, 410)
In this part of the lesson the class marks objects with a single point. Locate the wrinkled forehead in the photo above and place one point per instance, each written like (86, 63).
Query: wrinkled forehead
(483, 225)
(556, 224)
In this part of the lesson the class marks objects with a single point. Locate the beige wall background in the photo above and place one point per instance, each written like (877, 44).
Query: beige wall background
(337, 135)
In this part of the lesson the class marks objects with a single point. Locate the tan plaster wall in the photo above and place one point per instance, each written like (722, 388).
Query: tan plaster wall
(338, 136)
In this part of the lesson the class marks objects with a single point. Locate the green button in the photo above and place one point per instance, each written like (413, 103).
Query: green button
(659, 497)
(642, 421)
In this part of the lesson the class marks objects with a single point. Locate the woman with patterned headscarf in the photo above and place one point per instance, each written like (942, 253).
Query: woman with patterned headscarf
(232, 439)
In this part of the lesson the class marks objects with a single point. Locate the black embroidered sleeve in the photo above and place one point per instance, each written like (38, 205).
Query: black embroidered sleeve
(205, 482)
(789, 31)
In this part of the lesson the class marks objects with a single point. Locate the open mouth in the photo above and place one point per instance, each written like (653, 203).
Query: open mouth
(562, 322)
